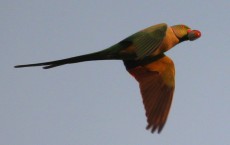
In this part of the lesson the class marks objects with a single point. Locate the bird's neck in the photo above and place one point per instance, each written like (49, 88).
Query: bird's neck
(168, 42)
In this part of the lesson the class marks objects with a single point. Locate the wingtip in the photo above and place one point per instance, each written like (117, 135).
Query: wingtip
(154, 129)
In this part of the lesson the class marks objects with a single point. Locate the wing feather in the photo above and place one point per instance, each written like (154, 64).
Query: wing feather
(148, 40)
(156, 82)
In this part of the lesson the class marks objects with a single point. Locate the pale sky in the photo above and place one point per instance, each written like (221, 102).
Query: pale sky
(99, 103)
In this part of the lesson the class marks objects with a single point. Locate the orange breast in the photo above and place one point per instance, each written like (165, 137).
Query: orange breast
(168, 42)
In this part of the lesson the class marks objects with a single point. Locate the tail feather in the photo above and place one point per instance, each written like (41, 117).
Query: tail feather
(111, 53)
(51, 64)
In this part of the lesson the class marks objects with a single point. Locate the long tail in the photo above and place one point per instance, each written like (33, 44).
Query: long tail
(101, 55)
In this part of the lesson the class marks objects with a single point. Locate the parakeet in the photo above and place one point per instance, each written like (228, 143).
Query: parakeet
(144, 58)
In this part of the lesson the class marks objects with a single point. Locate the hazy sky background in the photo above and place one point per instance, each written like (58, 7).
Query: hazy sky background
(99, 103)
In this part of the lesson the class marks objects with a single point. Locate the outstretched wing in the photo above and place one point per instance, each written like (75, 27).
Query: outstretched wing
(156, 81)
(148, 40)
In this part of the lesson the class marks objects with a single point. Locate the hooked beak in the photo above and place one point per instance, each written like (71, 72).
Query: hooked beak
(193, 34)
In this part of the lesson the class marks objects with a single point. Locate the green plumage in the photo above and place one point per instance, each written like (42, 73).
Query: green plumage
(144, 43)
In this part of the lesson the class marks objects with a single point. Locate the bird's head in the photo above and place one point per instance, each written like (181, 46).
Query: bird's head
(184, 33)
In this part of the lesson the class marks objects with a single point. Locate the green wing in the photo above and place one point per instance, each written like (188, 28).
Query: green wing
(148, 40)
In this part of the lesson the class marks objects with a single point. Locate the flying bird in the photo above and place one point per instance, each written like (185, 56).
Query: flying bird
(144, 58)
